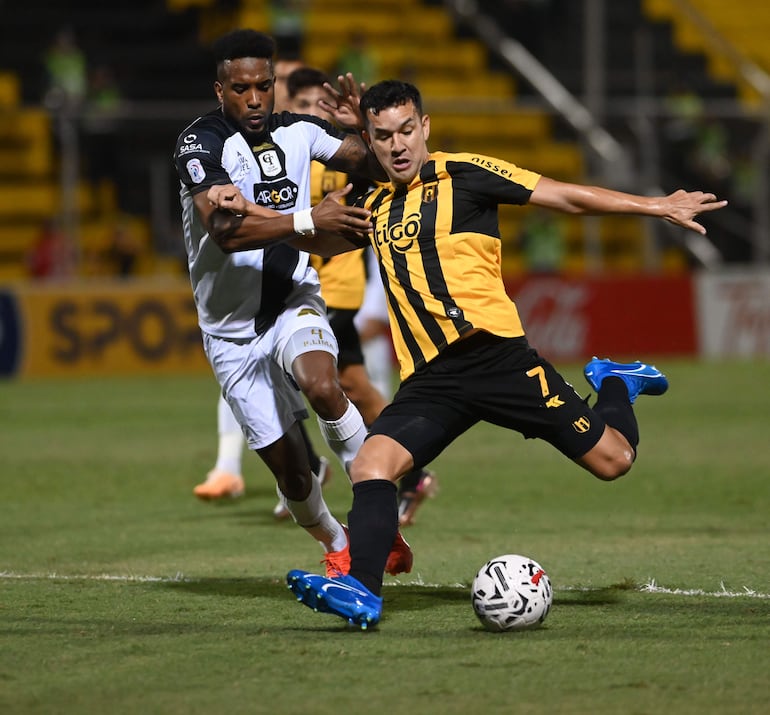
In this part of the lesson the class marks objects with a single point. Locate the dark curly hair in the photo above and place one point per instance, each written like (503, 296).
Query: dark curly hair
(243, 43)
(389, 93)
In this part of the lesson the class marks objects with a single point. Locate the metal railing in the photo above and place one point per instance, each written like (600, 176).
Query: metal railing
(644, 115)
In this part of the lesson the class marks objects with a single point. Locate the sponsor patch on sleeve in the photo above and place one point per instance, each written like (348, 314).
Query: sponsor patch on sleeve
(195, 170)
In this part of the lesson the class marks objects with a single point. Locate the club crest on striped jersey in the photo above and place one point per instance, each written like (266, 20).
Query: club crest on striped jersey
(430, 192)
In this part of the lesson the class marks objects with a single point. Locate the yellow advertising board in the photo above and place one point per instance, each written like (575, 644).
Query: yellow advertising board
(109, 328)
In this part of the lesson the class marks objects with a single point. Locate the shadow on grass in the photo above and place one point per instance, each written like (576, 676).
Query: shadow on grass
(251, 508)
(590, 597)
(399, 598)
(409, 597)
(231, 587)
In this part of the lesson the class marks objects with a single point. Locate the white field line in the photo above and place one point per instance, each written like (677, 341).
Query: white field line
(10, 575)
(747, 592)
(650, 587)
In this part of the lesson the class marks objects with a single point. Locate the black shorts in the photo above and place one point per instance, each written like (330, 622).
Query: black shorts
(491, 379)
(348, 342)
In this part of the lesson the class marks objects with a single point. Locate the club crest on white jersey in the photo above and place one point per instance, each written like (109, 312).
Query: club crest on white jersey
(270, 163)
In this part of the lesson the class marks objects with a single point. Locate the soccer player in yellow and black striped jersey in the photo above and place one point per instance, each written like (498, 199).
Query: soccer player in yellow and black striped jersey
(343, 282)
(462, 349)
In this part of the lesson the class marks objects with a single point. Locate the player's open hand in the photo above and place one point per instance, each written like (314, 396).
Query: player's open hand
(331, 215)
(681, 208)
(343, 103)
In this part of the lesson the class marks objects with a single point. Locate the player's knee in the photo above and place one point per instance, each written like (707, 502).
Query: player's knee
(325, 396)
(375, 460)
(358, 471)
(295, 484)
(614, 466)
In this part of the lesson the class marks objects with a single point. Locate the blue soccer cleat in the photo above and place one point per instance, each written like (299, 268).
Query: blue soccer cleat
(640, 378)
(342, 596)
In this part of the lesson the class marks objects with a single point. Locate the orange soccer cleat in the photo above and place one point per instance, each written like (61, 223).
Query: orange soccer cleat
(220, 485)
(400, 558)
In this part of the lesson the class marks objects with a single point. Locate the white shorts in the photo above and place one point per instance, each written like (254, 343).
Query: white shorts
(255, 375)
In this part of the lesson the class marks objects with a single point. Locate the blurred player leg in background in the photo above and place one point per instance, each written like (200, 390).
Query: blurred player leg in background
(225, 480)
(373, 327)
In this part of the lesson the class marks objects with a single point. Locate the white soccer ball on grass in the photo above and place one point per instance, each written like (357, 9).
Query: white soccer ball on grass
(510, 593)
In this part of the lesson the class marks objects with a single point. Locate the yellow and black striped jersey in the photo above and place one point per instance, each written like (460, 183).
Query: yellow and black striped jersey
(343, 277)
(438, 243)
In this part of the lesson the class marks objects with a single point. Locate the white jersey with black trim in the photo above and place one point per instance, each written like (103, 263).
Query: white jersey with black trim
(233, 291)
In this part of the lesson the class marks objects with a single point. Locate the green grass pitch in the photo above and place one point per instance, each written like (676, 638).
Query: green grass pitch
(121, 593)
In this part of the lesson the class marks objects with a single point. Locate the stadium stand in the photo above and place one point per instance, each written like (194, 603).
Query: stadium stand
(745, 28)
(157, 50)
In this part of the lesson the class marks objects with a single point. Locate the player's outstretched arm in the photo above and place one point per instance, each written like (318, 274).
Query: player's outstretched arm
(237, 224)
(680, 208)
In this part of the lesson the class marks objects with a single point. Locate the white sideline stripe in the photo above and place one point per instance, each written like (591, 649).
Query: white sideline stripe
(651, 587)
(94, 577)
(747, 592)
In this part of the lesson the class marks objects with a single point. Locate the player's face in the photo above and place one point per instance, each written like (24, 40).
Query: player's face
(283, 68)
(306, 102)
(398, 137)
(245, 91)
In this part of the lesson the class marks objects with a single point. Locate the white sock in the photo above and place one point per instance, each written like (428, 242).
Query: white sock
(231, 440)
(314, 517)
(345, 435)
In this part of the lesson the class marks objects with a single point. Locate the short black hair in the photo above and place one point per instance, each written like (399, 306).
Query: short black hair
(304, 77)
(243, 43)
(389, 93)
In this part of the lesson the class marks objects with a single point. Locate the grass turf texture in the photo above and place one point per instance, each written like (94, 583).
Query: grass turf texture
(96, 484)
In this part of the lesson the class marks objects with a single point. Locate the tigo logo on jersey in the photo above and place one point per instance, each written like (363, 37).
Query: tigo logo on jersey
(195, 170)
(400, 236)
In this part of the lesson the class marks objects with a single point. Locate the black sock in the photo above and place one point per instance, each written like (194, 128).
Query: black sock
(410, 481)
(614, 407)
(312, 455)
(373, 525)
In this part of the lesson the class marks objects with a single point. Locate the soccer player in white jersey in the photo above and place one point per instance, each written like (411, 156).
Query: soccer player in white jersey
(225, 479)
(264, 325)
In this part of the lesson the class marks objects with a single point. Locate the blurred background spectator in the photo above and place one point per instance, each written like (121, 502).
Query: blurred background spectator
(287, 25)
(543, 243)
(51, 256)
(66, 71)
(123, 250)
(358, 57)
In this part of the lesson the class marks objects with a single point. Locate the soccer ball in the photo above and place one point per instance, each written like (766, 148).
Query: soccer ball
(511, 593)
